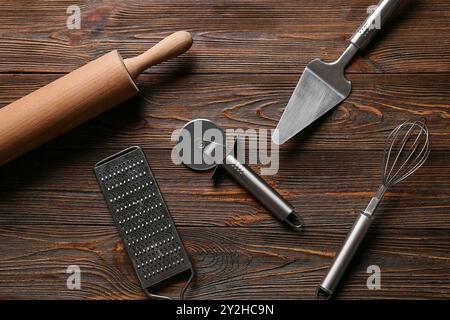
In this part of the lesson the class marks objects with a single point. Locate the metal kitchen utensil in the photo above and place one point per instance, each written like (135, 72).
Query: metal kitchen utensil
(324, 85)
(407, 148)
(143, 219)
(203, 150)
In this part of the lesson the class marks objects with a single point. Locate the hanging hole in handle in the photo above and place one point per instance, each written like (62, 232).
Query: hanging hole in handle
(295, 221)
(321, 292)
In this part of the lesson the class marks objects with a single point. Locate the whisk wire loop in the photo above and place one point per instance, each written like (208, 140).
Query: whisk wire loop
(406, 150)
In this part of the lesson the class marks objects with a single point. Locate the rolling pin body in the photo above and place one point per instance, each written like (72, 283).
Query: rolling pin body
(63, 104)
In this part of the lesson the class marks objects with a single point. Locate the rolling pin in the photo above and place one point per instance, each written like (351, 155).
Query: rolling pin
(78, 96)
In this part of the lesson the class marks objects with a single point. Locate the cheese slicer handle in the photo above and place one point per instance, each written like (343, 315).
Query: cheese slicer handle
(171, 46)
(374, 23)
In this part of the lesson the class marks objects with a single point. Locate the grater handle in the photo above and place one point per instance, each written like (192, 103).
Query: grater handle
(346, 254)
(374, 23)
(264, 193)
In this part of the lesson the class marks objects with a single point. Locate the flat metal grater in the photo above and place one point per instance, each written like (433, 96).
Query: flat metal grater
(142, 218)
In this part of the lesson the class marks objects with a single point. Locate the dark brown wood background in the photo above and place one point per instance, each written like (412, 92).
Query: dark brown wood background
(245, 62)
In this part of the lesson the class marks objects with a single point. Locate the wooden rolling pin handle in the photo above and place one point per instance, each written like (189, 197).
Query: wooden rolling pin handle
(172, 46)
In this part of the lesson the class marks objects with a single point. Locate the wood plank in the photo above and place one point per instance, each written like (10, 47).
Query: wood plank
(378, 104)
(236, 36)
(327, 188)
(231, 263)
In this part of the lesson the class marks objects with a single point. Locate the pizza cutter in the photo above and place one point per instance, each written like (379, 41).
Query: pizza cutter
(208, 154)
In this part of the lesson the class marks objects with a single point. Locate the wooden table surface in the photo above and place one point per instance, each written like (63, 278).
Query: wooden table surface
(245, 62)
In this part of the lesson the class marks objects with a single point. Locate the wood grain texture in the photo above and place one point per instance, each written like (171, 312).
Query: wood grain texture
(231, 263)
(327, 188)
(230, 36)
(245, 62)
(377, 105)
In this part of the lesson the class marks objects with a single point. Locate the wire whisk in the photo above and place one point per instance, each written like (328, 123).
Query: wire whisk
(407, 148)
(414, 148)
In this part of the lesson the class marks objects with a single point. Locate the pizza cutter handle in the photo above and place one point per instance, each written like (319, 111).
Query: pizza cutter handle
(264, 193)
(171, 46)
(374, 23)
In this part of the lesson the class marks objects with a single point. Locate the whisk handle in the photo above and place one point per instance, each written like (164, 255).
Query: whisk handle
(346, 254)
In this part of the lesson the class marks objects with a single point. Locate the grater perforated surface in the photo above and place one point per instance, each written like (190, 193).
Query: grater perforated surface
(142, 217)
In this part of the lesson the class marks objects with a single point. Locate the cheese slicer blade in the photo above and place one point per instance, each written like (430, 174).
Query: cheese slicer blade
(323, 85)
